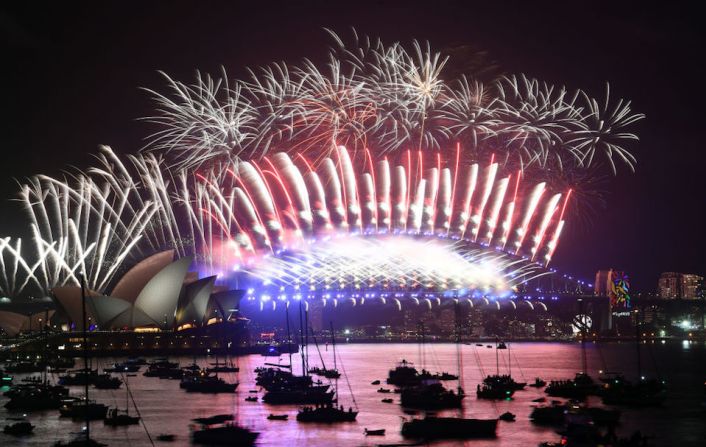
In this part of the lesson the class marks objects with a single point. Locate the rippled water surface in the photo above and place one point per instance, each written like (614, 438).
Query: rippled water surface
(166, 408)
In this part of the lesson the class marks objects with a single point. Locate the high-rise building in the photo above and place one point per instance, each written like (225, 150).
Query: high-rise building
(672, 285)
(691, 286)
(668, 285)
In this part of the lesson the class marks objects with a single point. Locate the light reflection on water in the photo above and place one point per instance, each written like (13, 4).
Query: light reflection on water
(167, 409)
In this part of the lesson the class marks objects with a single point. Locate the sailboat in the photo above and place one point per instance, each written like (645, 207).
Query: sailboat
(115, 418)
(89, 410)
(423, 390)
(35, 395)
(283, 387)
(221, 430)
(228, 366)
(432, 427)
(323, 371)
(328, 412)
(582, 384)
(499, 386)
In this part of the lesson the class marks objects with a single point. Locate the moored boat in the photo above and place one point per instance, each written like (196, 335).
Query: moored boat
(449, 428)
(220, 430)
(378, 432)
(326, 413)
(20, 428)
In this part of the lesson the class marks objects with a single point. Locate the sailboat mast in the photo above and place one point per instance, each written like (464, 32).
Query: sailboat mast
(637, 343)
(333, 342)
(306, 336)
(301, 339)
(45, 333)
(509, 361)
(289, 335)
(497, 359)
(459, 361)
(85, 354)
(127, 397)
(316, 343)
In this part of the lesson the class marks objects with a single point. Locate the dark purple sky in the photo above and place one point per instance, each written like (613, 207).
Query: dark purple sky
(70, 78)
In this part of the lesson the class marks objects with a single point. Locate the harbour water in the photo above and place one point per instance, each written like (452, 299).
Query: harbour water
(165, 408)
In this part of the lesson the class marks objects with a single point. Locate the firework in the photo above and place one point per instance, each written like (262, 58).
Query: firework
(331, 175)
(387, 99)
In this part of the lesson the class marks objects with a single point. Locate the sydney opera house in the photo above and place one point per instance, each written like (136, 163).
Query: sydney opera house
(157, 293)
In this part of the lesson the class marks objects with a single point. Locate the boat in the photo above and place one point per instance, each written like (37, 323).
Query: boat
(538, 383)
(404, 374)
(540, 399)
(193, 367)
(553, 414)
(378, 432)
(375, 382)
(645, 393)
(303, 396)
(107, 382)
(166, 437)
(328, 373)
(123, 367)
(387, 401)
(251, 399)
(507, 417)
(444, 376)
(23, 367)
(326, 413)
(493, 392)
(82, 377)
(115, 418)
(59, 363)
(205, 383)
(276, 378)
(323, 371)
(86, 410)
(431, 396)
(227, 367)
(221, 430)
(479, 344)
(581, 386)
(499, 386)
(431, 428)
(278, 417)
(5, 379)
(20, 428)
(504, 381)
(383, 390)
(164, 372)
(162, 362)
(35, 397)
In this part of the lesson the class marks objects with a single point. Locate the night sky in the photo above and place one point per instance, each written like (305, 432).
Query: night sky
(71, 78)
